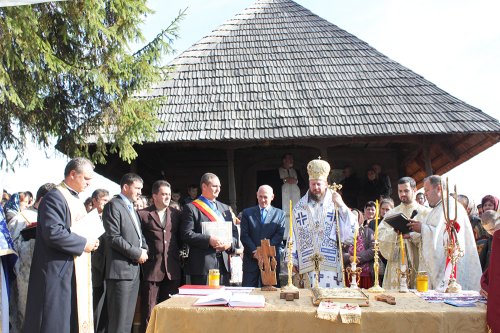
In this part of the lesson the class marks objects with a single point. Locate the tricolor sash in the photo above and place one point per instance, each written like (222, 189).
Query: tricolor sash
(82, 268)
(207, 211)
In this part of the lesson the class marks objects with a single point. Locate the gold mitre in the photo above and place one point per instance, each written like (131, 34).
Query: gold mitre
(318, 169)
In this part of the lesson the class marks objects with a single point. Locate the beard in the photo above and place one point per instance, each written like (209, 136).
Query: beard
(406, 200)
(316, 196)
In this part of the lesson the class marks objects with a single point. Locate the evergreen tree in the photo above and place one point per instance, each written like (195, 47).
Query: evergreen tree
(67, 72)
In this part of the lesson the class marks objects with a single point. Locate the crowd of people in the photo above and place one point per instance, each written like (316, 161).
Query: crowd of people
(139, 251)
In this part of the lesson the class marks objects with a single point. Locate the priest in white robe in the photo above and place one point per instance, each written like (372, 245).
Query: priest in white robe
(435, 239)
(389, 238)
(314, 229)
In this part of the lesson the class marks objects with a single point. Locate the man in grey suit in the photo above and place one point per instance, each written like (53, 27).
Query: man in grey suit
(125, 250)
(260, 222)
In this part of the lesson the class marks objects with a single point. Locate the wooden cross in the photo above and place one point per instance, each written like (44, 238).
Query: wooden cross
(266, 255)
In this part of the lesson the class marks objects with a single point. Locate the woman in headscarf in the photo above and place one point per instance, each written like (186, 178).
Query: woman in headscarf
(489, 202)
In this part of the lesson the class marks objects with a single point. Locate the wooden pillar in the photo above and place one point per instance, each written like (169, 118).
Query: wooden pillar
(231, 179)
(426, 150)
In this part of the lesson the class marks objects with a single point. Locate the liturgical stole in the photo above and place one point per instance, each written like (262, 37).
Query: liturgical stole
(82, 268)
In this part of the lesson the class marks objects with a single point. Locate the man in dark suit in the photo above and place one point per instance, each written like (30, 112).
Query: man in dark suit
(125, 249)
(51, 304)
(100, 197)
(162, 271)
(207, 252)
(257, 223)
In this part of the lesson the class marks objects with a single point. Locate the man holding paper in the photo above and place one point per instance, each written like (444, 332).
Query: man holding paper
(390, 246)
(60, 271)
(208, 250)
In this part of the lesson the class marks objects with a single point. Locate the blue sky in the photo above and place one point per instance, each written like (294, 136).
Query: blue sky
(453, 43)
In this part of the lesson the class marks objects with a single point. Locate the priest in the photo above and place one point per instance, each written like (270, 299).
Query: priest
(389, 238)
(314, 229)
(435, 239)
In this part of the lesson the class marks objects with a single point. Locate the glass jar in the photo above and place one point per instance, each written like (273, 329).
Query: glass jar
(422, 281)
(213, 278)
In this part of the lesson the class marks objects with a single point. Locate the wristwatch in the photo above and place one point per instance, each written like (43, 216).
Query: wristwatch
(284, 180)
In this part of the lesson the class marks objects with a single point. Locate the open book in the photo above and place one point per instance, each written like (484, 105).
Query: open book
(234, 300)
(398, 222)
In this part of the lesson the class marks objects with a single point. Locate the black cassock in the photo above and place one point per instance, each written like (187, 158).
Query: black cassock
(51, 303)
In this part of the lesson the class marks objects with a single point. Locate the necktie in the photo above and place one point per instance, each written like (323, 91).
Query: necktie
(134, 219)
(263, 214)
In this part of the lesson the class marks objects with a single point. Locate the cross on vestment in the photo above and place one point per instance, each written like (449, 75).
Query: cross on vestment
(301, 219)
(336, 278)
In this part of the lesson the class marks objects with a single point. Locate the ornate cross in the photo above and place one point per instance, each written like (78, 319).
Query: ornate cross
(335, 187)
(317, 259)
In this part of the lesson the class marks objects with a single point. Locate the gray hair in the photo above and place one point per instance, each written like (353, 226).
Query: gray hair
(490, 217)
(434, 180)
(207, 177)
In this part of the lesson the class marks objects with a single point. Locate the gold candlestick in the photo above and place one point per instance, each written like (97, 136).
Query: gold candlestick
(290, 292)
(355, 274)
(376, 285)
(404, 276)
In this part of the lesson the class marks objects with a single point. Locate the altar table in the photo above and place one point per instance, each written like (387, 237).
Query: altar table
(410, 315)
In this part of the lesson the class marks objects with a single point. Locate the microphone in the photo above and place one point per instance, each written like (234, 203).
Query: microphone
(413, 214)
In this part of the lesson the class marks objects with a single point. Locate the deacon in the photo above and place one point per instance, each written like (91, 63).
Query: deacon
(315, 228)
(257, 223)
(207, 252)
(435, 239)
(60, 270)
(389, 238)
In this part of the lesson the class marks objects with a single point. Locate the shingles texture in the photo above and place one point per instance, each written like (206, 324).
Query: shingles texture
(276, 71)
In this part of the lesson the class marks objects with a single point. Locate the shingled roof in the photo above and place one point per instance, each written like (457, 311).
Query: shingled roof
(277, 71)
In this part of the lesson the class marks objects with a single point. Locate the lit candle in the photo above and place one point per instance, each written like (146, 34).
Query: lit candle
(402, 246)
(376, 219)
(291, 216)
(355, 244)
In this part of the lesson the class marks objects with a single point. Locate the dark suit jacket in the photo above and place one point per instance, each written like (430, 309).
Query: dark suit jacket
(51, 286)
(123, 247)
(99, 263)
(163, 243)
(201, 254)
(252, 232)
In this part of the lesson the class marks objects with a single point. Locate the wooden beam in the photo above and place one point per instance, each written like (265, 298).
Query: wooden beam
(449, 152)
(426, 152)
(231, 178)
